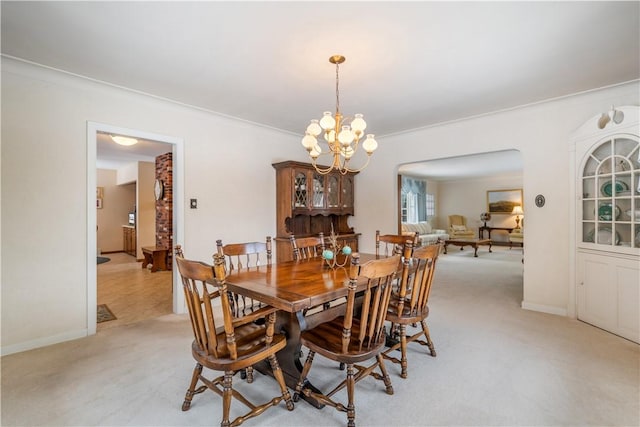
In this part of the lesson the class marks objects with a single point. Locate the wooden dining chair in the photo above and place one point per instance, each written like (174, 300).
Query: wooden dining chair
(246, 255)
(393, 244)
(235, 345)
(239, 256)
(410, 305)
(307, 247)
(356, 336)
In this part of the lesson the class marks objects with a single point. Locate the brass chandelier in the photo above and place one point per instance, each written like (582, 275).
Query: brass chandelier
(341, 135)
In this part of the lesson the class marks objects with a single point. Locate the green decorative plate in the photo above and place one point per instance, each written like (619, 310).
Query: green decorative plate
(605, 212)
(607, 187)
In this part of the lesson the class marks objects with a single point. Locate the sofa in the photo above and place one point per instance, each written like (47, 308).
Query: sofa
(426, 235)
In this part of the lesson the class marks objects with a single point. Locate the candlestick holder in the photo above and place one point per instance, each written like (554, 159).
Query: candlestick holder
(333, 249)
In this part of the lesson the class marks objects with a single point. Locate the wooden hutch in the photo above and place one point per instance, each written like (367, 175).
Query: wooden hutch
(308, 203)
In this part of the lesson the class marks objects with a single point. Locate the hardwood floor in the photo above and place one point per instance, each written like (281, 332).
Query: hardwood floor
(131, 292)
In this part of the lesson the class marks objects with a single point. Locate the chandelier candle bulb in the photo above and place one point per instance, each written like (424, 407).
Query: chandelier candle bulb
(358, 125)
(314, 128)
(370, 144)
(308, 141)
(327, 122)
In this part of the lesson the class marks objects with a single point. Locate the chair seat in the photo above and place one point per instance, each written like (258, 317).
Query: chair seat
(247, 339)
(407, 317)
(326, 339)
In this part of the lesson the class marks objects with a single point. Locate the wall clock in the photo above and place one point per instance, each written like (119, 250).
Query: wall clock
(159, 189)
(539, 200)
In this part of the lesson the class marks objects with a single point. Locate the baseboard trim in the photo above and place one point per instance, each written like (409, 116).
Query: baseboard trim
(545, 308)
(42, 342)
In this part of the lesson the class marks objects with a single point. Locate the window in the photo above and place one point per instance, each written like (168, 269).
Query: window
(430, 201)
(412, 207)
(415, 203)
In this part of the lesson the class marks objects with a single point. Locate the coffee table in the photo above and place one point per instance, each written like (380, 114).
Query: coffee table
(474, 243)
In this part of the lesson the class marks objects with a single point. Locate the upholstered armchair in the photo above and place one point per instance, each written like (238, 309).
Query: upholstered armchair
(458, 228)
(517, 236)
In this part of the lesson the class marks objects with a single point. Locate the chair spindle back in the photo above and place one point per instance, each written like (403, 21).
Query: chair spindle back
(417, 278)
(307, 247)
(380, 275)
(199, 297)
(393, 244)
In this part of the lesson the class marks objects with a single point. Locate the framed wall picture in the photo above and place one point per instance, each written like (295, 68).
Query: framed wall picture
(503, 201)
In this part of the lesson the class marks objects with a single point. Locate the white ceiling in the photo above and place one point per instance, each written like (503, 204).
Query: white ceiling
(494, 164)
(409, 64)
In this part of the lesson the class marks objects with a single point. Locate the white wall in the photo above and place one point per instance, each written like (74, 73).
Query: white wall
(468, 197)
(118, 201)
(541, 132)
(145, 207)
(228, 169)
(44, 190)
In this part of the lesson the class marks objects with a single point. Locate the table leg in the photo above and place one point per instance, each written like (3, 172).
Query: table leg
(291, 324)
(475, 251)
(445, 247)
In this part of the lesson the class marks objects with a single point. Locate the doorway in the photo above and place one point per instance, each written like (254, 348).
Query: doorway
(459, 186)
(176, 147)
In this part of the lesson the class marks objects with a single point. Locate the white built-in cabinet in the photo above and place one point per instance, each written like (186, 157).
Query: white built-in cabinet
(607, 218)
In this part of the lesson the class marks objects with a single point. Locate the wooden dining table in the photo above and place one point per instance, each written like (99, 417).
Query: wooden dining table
(294, 287)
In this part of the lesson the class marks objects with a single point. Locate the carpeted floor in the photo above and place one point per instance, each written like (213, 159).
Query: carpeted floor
(497, 365)
(104, 314)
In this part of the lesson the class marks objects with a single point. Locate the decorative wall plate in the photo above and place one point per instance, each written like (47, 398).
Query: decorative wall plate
(158, 189)
(540, 200)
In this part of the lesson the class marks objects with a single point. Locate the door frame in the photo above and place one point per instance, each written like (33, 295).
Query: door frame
(178, 209)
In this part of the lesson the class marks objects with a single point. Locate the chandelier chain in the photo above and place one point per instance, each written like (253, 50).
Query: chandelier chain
(337, 89)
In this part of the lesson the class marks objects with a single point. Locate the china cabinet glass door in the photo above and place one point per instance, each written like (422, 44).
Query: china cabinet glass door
(611, 194)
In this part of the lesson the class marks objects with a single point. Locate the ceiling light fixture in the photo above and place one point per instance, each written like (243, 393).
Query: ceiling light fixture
(123, 140)
(342, 138)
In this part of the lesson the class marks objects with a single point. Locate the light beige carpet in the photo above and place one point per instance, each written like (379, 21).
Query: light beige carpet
(497, 365)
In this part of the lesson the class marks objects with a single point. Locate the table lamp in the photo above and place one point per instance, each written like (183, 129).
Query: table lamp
(517, 211)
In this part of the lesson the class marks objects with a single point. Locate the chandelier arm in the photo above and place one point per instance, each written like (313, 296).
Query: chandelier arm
(319, 169)
(345, 170)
